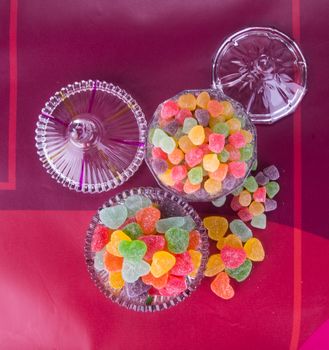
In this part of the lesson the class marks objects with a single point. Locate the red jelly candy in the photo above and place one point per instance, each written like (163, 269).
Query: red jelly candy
(260, 194)
(235, 204)
(205, 148)
(237, 169)
(175, 285)
(101, 237)
(194, 157)
(169, 109)
(237, 140)
(216, 142)
(183, 265)
(182, 115)
(179, 186)
(233, 257)
(154, 243)
(158, 153)
(147, 218)
(194, 241)
(178, 172)
(244, 214)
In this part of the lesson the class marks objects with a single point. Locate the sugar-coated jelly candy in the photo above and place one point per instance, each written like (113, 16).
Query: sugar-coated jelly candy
(228, 109)
(216, 225)
(203, 99)
(197, 135)
(165, 224)
(259, 221)
(136, 289)
(247, 135)
(232, 241)
(237, 169)
(229, 182)
(183, 265)
(246, 152)
(242, 272)
(194, 240)
(157, 152)
(157, 283)
(189, 223)
(133, 269)
(256, 208)
(187, 101)
(159, 165)
(216, 142)
(210, 162)
(220, 173)
(177, 240)
(254, 249)
(221, 128)
(132, 250)
(195, 175)
(234, 153)
(166, 178)
(185, 144)
(154, 243)
(270, 204)
(214, 265)
(194, 156)
(116, 238)
(261, 178)
(190, 188)
(196, 260)
(237, 140)
(135, 203)
(244, 198)
(178, 172)
(112, 263)
(174, 286)
(133, 230)
(239, 228)
(115, 280)
(224, 156)
(100, 238)
(169, 109)
(234, 125)
(212, 186)
(162, 262)
(219, 202)
(188, 124)
(113, 217)
(245, 215)
(272, 188)
(233, 257)
(157, 136)
(176, 156)
(215, 108)
(250, 184)
(171, 127)
(167, 144)
(182, 115)
(147, 218)
(221, 286)
(202, 116)
(260, 194)
(272, 172)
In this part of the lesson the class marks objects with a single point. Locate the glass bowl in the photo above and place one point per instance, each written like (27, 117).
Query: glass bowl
(230, 183)
(91, 136)
(169, 205)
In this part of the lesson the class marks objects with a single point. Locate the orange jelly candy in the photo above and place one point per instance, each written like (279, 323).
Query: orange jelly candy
(221, 286)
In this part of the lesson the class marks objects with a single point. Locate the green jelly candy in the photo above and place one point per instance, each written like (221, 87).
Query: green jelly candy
(113, 217)
(133, 269)
(272, 188)
(259, 221)
(224, 156)
(99, 260)
(250, 184)
(221, 128)
(133, 230)
(189, 223)
(246, 152)
(255, 165)
(237, 191)
(239, 228)
(241, 272)
(195, 175)
(167, 144)
(165, 224)
(177, 240)
(135, 203)
(132, 250)
(157, 136)
(219, 202)
(189, 123)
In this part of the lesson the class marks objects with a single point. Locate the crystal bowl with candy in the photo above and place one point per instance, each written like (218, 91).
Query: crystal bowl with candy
(146, 249)
(201, 145)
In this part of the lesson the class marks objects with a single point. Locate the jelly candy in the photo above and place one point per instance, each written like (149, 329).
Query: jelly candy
(134, 250)
(183, 265)
(189, 123)
(162, 262)
(167, 144)
(194, 240)
(158, 135)
(246, 152)
(182, 115)
(190, 188)
(202, 116)
(136, 289)
(100, 238)
(237, 169)
(247, 135)
(261, 179)
(228, 109)
(219, 202)
(157, 152)
(187, 101)
(272, 172)
(234, 125)
(171, 128)
(237, 140)
(177, 240)
(212, 186)
(241, 272)
(185, 144)
(244, 198)
(232, 241)
(234, 154)
(215, 108)
(194, 157)
(157, 283)
(169, 109)
(221, 286)
(197, 135)
(189, 223)
(224, 156)
(112, 263)
(116, 238)
(154, 243)
(220, 173)
(133, 230)
(272, 188)
(233, 257)
(176, 156)
(178, 172)
(115, 280)
(135, 203)
(133, 269)
(203, 99)
(244, 214)
(250, 184)
(196, 260)
(113, 217)
(221, 128)
(270, 204)
(159, 166)
(229, 182)
(214, 265)
(239, 228)
(98, 260)
(220, 243)
(147, 218)
(178, 186)
(216, 225)
(165, 224)
(256, 208)
(254, 249)
(259, 221)
(195, 175)
(210, 162)
(260, 194)
(166, 178)
(216, 142)
(174, 286)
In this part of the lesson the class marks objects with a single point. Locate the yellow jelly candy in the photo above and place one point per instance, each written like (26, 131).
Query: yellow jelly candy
(162, 262)
(115, 280)
(214, 265)
(212, 186)
(210, 162)
(254, 249)
(216, 225)
(166, 178)
(197, 135)
(247, 135)
(244, 198)
(220, 243)
(234, 125)
(185, 144)
(203, 99)
(228, 110)
(256, 208)
(232, 241)
(196, 261)
(116, 237)
(187, 101)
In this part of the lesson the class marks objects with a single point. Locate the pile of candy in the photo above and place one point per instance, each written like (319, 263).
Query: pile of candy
(143, 253)
(238, 249)
(200, 145)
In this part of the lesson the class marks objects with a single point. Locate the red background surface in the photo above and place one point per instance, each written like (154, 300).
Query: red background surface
(154, 50)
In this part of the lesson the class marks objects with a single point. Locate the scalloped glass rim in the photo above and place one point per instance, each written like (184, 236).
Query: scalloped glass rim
(56, 100)
(194, 196)
(160, 303)
(290, 44)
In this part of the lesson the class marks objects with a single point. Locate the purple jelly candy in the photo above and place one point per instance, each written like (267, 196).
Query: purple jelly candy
(171, 128)
(136, 289)
(229, 182)
(270, 204)
(272, 172)
(261, 179)
(202, 116)
(159, 165)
